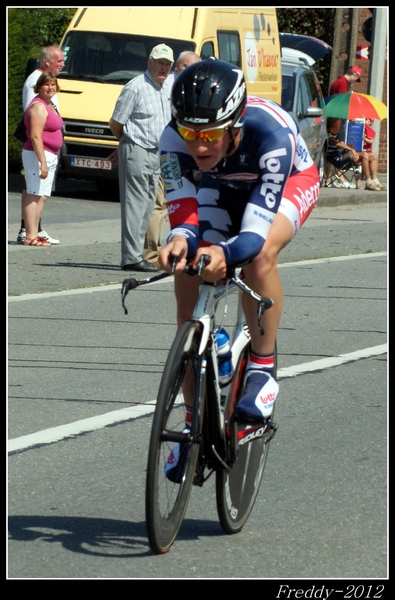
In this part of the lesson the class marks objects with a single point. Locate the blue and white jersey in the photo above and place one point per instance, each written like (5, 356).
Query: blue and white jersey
(271, 167)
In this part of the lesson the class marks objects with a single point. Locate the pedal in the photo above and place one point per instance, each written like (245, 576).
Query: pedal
(199, 478)
(272, 431)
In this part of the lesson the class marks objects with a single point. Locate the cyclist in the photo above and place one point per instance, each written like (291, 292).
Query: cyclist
(258, 185)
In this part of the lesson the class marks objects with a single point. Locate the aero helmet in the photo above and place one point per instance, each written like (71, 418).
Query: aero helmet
(210, 91)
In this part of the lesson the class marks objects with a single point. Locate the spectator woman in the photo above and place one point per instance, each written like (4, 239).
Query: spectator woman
(40, 154)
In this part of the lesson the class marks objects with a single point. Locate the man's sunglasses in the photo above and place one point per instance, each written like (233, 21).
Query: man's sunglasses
(206, 135)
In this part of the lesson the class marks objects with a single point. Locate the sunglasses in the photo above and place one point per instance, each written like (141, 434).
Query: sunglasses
(206, 135)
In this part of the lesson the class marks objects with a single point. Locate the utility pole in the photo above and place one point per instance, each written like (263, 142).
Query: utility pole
(344, 41)
(377, 62)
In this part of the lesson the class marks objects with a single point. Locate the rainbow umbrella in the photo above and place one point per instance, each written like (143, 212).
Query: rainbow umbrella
(355, 106)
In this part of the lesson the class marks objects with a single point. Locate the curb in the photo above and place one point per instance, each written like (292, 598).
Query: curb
(347, 196)
(340, 196)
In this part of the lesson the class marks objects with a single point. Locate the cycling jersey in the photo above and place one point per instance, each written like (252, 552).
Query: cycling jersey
(271, 171)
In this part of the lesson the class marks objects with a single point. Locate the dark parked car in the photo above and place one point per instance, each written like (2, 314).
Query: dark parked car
(302, 97)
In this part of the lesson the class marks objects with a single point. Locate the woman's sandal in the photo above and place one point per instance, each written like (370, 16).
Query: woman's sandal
(37, 241)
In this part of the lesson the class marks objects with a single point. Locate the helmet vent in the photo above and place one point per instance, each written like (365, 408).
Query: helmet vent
(209, 91)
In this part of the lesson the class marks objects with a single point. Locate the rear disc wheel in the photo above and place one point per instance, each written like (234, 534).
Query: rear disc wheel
(238, 488)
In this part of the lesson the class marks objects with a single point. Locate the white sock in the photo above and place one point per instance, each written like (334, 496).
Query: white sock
(368, 181)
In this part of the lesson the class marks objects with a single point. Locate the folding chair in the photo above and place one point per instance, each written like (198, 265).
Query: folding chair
(348, 174)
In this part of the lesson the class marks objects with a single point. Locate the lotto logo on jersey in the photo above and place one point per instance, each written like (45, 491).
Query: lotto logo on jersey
(273, 179)
(172, 207)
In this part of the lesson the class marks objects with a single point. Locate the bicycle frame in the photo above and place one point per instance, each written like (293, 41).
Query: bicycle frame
(215, 397)
(205, 312)
(215, 441)
(205, 309)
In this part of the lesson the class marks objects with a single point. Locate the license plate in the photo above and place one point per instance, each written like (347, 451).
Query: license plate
(91, 163)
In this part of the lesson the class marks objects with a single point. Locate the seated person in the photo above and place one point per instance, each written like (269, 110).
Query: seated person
(339, 154)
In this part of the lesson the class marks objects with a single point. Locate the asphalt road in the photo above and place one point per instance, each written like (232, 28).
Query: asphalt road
(82, 383)
(89, 230)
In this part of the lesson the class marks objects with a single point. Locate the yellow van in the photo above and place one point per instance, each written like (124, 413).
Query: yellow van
(106, 47)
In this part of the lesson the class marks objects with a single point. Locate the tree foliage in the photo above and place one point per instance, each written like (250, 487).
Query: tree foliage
(316, 22)
(29, 30)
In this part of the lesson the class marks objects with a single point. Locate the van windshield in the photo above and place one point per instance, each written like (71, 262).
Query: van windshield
(111, 57)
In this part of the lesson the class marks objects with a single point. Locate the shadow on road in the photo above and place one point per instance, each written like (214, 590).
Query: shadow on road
(109, 538)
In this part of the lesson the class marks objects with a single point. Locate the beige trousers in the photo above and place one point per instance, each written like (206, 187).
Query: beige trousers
(153, 236)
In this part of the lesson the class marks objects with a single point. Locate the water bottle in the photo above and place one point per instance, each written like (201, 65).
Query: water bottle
(225, 368)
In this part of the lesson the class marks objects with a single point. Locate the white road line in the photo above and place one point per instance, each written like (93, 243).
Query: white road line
(117, 286)
(89, 290)
(56, 434)
(40, 295)
(333, 361)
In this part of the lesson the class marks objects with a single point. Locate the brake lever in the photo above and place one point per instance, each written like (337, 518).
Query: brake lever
(173, 263)
(132, 283)
(203, 261)
(262, 306)
(127, 285)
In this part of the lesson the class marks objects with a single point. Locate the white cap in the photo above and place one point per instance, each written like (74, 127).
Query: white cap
(162, 51)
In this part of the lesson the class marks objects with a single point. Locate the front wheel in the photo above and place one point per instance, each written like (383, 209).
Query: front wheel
(167, 495)
(238, 488)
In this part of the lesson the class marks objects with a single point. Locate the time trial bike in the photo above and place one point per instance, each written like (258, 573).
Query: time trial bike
(216, 442)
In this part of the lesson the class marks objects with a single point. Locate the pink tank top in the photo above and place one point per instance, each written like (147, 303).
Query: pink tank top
(52, 136)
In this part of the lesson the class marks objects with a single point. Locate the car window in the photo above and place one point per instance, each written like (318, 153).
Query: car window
(313, 89)
(287, 92)
(229, 47)
(303, 99)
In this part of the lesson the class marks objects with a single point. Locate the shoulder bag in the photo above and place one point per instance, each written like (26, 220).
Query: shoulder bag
(20, 132)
